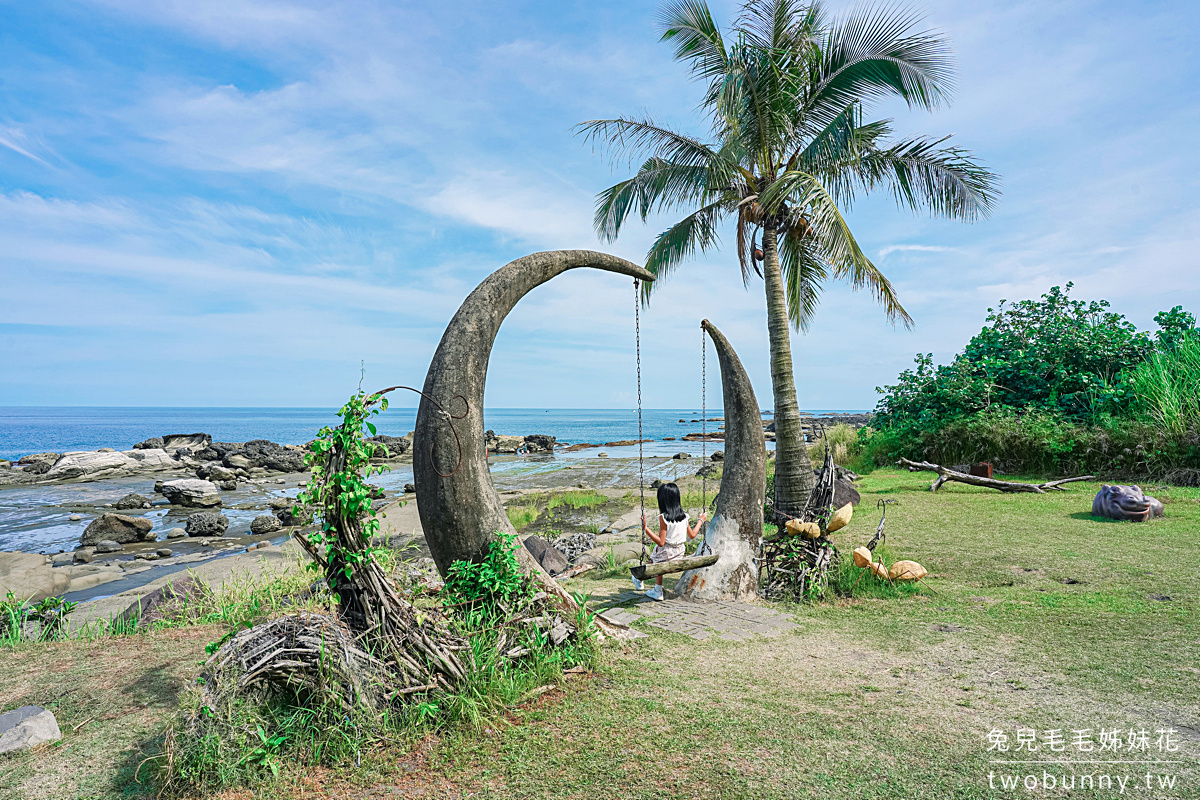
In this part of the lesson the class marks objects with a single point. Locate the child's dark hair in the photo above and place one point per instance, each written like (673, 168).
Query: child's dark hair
(668, 503)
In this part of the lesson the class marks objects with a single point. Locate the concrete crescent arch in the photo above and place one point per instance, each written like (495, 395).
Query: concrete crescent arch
(461, 512)
(737, 523)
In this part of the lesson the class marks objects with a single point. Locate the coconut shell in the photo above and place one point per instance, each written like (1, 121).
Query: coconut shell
(880, 570)
(840, 518)
(809, 530)
(907, 571)
(862, 557)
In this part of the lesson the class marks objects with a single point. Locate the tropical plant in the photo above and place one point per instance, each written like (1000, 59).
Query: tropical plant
(789, 151)
(1056, 354)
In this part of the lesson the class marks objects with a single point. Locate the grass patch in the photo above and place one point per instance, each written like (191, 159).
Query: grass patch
(1042, 618)
(576, 499)
(522, 515)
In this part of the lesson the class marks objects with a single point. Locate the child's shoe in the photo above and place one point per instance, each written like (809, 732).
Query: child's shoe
(656, 593)
(636, 583)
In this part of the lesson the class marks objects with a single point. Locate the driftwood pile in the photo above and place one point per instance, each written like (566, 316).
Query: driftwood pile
(317, 655)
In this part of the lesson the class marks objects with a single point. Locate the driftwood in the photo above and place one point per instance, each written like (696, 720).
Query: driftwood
(947, 474)
(643, 571)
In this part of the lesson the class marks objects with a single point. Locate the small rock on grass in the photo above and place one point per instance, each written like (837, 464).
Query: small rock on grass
(26, 727)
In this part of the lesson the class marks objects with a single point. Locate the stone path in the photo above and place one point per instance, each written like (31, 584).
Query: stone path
(728, 620)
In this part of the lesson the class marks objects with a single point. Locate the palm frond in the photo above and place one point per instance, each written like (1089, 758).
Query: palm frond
(813, 211)
(658, 185)
(874, 53)
(695, 232)
(638, 137)
(804, 275)
(689, 25)
(945, 180)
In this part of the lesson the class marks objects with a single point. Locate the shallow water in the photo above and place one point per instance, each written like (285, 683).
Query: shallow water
(37, 518)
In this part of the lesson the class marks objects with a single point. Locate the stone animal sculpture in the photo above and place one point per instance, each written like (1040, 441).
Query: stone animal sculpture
(1125, 503)
(459, 508)
(737, 523)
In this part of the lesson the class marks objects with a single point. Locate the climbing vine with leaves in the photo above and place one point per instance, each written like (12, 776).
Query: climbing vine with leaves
(343, 547)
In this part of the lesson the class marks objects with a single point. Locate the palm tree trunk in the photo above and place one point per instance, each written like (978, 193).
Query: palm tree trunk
(793, 469)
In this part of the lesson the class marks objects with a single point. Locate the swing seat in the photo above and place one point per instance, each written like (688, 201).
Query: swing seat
(644, 571)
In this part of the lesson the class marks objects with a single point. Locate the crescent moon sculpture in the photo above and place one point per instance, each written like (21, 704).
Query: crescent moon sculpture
(457, 502)
(737, 524)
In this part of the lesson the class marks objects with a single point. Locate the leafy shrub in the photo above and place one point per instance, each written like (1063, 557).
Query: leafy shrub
(1055, 354)
(495, 579)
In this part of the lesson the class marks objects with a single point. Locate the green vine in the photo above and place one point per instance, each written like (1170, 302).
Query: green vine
(338, 488)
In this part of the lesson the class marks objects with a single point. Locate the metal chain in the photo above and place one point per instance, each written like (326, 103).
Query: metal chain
(637, 334)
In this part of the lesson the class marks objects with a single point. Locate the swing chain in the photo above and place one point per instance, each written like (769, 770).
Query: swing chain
(637, 333)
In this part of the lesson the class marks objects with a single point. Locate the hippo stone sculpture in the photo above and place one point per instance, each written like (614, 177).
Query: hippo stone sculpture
(1125, 503)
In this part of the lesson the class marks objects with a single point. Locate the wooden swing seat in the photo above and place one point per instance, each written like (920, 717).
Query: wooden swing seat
(644, 571)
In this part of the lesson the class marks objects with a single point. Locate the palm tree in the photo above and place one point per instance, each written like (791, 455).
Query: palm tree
(788, 153)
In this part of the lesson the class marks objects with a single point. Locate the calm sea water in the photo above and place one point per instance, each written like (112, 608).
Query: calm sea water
(25, 430)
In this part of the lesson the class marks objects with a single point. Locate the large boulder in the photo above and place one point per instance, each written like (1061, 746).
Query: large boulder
(153, 458)
(1126, 503)
(131, 500)
(191, 492)
(393, 446)
(540, 443)
(207, 523)
(153, 443)
(38, 463)
(26, 727)
(215, 471)
(216, 451)
(553, 561)
(117, 528)
(79, 465)
(502, 444)
(191, 442)
(267, 455)
(265, 524)
(289, 513)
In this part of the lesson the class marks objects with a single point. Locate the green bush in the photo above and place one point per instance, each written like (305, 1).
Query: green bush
(1053, 386)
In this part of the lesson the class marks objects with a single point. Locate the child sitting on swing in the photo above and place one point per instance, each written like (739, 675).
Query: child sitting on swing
(672, 535)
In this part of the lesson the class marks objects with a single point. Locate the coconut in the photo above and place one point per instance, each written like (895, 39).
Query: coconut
(862, 557)
(880, 571)
(840, 518)
(907, 571)
(809, 530)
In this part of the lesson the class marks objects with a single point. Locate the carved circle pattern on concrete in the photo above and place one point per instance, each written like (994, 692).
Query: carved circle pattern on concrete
(728, 620)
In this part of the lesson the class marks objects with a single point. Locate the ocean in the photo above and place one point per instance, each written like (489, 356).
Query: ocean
(25, 430)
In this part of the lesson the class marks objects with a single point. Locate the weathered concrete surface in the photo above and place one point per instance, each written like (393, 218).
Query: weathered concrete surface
(737, 523)
(461, 512)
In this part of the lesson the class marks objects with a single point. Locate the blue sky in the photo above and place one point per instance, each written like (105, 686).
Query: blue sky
(236, 203)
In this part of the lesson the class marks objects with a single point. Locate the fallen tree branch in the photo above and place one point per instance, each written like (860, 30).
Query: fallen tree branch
(946, 474)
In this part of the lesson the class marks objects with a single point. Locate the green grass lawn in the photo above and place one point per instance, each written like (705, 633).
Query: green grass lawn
(1036, 616)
